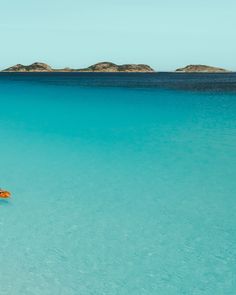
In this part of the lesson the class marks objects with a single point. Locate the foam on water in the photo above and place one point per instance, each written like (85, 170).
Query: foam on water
(116, 190)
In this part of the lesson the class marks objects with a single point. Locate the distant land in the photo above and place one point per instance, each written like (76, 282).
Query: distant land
(99, 67)
(109, 67)
(201, 69)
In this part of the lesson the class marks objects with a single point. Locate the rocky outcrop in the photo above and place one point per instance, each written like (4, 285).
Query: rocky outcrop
(201, 69)
(35, 67)
(99, 67)
(111, 67)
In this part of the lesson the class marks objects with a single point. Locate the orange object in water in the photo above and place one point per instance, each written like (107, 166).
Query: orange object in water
(4, 194)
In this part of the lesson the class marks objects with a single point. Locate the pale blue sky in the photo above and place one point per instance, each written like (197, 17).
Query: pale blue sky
(165, 34)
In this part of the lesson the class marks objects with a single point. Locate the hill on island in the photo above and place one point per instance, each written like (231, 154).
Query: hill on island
(201, 69)
(35, 67)
(99, 67)
(111, 67)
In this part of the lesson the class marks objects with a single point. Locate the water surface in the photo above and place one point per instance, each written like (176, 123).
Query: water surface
(122, 184)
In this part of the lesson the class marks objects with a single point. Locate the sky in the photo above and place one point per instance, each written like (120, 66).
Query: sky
(166, 34)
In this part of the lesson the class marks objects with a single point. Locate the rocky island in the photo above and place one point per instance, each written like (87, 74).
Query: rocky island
(35, 67)
(201, 69)
(111, 67)
(99, 67)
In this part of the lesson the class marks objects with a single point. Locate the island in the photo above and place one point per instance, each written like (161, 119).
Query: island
(99, 67)
(111, 67)
(35, 67)
(201, 69)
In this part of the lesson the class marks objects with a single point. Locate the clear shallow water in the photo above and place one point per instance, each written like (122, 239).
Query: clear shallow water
(118, 190)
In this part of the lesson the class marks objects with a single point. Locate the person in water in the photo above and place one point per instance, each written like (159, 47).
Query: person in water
(4, 194)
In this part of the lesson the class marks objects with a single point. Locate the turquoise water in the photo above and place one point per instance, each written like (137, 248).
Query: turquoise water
(117, 190)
